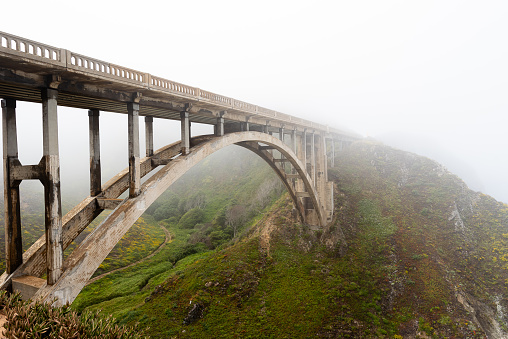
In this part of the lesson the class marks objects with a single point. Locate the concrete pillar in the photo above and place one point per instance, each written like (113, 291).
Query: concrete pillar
(293, 140)
(149, 136)
(281, 135)
(51, 180)
(95, 152)
(304, 149)
(134, 164)
(185, 132)
(313, 158)
(266, 127)
(12, 217)
(246, 125)
(219, 127)
(333, 153)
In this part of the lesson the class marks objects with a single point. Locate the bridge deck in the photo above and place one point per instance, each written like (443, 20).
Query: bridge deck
(27, 66)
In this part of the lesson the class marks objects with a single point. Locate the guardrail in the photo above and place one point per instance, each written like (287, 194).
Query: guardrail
(39, 52)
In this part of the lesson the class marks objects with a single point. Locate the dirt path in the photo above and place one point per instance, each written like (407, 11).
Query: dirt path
(168, 239)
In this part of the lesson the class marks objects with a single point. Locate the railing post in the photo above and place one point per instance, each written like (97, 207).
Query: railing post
(149, 136)
(95, 152)
(13, 243)
(134, 164)
(52, 194)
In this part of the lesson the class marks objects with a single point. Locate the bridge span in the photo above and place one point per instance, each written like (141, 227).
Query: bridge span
(298, 150)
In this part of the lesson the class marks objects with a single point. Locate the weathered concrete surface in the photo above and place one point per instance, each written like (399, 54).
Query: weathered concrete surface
(83, 262)
(51, 182)
(95, 152)
(27, 285)
(13, 243)
(134, 164)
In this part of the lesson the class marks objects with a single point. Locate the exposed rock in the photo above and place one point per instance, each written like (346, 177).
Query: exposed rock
(195, 313)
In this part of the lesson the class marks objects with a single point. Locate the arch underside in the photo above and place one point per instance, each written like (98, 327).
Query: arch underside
(84, 260)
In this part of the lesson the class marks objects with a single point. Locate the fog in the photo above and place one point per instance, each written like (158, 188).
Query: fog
(430, 77)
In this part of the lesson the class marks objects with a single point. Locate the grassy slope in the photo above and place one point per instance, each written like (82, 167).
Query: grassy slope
(409, 241)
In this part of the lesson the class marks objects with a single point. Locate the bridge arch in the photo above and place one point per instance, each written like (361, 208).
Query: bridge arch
(85, 259)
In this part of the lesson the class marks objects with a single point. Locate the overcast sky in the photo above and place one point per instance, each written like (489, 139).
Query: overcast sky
(428, 76)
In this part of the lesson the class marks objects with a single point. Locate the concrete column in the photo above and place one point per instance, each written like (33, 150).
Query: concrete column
(12, 217)
(293, 140)
(313, 158)
(281, 134)
(185, 132)
(219, 127)
(266, 127)
(246, 125)
(149, 136)
(51, 180)
(95, 152)
(134, 164)
(333, 153)
(304, 148)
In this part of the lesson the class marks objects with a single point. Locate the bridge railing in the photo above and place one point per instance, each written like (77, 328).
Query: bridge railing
(172, 86)
(32, 49)
(215, 98)
(43, 53)
(99, 67)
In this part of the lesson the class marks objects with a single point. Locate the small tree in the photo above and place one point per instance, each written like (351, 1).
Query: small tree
(235, 216)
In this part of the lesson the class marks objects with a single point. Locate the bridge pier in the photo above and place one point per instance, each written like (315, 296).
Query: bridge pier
(149, 136)
(133, 135)
(219, 126)
(51, 181)
(13, 243)
(185, 132)
(95, 150)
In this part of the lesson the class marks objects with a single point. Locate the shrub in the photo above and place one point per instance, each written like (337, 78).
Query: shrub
(39, 320)
(191, 218)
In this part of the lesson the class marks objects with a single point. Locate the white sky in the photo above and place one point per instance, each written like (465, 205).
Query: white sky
(434, 73)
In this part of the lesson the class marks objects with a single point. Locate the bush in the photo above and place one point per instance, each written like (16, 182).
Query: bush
(191, 218)
(39, 320)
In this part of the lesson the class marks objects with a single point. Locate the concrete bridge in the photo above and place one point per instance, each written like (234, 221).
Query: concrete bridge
(298, 150)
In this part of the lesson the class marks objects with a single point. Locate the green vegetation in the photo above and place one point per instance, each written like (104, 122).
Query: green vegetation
(38, 320)
(411, 252)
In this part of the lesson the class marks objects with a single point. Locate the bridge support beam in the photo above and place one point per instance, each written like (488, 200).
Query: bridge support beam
(134, 164)
(95, 153)
(13, 244)
(51, 181)
(149, 136)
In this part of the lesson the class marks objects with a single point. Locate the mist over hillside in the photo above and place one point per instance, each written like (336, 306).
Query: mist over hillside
(467, 168)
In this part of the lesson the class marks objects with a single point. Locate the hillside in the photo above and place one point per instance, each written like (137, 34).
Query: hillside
(412, 253)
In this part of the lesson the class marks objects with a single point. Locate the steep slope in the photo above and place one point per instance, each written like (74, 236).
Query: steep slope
(411, 253)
